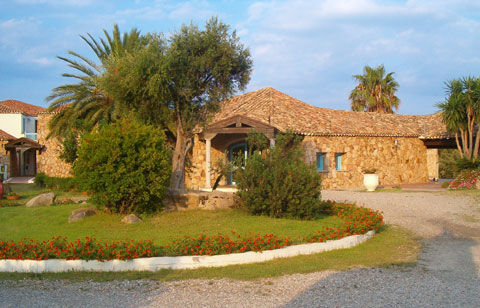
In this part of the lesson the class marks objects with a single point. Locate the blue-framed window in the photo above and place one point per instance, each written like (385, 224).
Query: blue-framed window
(338, 161)
(321, 161)
(23, 125)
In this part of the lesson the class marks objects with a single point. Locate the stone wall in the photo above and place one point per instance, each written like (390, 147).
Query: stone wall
(195, 174)
(4, 156)
(400, 162)
(48, 160)
(432, 163)
(397, 160)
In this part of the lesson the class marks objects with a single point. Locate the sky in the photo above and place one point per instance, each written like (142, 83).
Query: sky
(307, 49)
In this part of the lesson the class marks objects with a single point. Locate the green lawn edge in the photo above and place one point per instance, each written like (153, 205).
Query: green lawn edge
(392, 246)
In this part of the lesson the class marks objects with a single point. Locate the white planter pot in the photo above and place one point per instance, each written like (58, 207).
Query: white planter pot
(370, 181)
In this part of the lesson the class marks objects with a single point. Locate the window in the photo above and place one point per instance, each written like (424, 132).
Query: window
(23, 125)
(321, 162)
(338, 161)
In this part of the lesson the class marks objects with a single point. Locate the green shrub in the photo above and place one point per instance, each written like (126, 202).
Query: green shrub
(467, 164)
(40, 179)
(125, 165)
(65, 184)
(447, 167)
(278, 183)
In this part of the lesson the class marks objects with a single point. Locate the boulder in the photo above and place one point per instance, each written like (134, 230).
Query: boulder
(131, 219)
(40, 200)
(217, 200)
(79, 199)
(74, 200)
(80, 214)
(191, 200)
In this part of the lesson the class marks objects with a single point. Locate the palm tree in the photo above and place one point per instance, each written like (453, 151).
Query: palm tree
(461, 114)
(85, 99)
(375, 91)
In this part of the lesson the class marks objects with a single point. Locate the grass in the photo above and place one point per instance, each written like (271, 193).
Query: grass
(393, 246)
(28, 191)
(43, 223)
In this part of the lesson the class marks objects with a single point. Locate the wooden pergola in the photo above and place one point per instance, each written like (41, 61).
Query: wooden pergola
(22, 144)
(238, 124)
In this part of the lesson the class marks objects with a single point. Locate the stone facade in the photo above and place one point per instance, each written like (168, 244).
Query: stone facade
(4, 156)
(398, 160)
(195, 173)
(48, 160)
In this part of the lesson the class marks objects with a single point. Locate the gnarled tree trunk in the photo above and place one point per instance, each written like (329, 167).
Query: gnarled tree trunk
(183, 145)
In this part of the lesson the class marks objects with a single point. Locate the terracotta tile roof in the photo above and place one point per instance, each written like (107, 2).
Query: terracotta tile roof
(5, 136)
(56, 110)
(284, 112)
(14, 106)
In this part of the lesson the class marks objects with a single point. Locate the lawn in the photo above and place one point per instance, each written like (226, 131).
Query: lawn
(390, 246)
(42, 223)
(28, 191)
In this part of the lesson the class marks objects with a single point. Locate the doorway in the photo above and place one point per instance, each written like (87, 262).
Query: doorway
(236, 150)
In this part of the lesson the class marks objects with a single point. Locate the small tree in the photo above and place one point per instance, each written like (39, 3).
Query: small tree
(125, 165)
(461, 114)
(278, 183)
(183, 78)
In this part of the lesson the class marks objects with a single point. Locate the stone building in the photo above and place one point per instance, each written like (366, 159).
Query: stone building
(49, 161)
(341, 144)
(18, 135)
(4, 156)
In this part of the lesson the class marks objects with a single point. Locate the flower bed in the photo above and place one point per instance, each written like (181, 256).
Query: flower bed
(357, 221)
(467, 179)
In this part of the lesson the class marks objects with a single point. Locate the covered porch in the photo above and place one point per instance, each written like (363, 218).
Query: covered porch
(23, 157)
(228, 137)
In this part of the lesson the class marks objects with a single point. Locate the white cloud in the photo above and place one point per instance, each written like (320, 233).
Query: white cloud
(77, 3)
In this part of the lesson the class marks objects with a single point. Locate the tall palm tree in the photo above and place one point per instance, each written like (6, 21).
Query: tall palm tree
(461, 114)
(85, 99)
(375, 91)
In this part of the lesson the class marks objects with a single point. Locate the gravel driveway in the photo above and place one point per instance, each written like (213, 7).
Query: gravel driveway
(447, 274)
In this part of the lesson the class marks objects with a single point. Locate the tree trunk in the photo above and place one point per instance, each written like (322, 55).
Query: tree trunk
(463, 135)
(477, 142)
(458, 145)
(182, 146)
(471, 127)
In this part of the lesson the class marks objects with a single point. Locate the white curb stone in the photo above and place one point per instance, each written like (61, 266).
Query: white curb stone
(183, 262)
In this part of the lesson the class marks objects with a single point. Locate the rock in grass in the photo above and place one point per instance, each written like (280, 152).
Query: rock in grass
(131, 219)
(80, 214)
(43, 199)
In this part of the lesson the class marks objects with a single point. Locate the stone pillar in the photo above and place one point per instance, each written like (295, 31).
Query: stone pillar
(208, 162)
(272, 142)
(432, 163)
(13, 163)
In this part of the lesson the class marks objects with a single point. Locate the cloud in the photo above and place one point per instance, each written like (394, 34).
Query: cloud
(321, 44)
(77, 3)
(19, 41)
